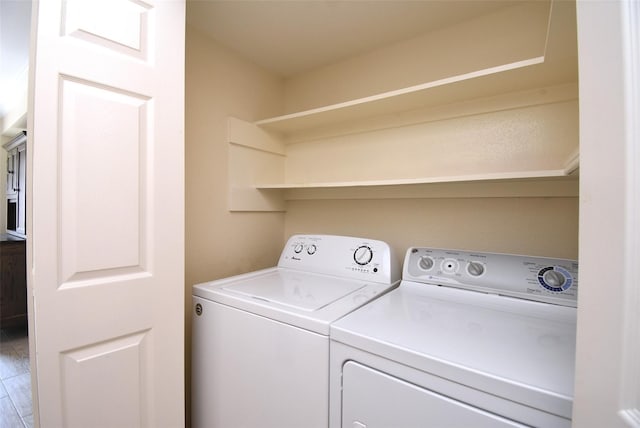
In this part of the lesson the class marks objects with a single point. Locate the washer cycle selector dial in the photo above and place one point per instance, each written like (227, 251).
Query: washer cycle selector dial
(425, 263)
(298, 248)
(363, 255)
(311, 249)
(555, 278)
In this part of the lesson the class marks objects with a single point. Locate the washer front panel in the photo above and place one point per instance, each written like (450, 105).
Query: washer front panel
(251, 371)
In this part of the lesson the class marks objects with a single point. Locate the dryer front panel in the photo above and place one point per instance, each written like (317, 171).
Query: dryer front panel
(371, 399)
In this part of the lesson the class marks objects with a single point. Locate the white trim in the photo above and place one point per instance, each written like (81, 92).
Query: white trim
(630, 371)
(19, 139)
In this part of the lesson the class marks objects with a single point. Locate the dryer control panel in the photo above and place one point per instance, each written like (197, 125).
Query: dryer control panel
(344, 256)
(536, 278)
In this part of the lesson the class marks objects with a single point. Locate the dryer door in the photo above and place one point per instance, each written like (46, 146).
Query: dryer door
(374, 399)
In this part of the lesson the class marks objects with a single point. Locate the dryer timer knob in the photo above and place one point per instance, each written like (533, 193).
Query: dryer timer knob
(554, 278)
(475, 268)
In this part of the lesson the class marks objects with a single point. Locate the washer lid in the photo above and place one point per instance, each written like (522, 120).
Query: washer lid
(306, 300)
(296, 290)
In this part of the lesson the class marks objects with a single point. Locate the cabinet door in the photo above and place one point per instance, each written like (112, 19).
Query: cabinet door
(13, 283)
(21, 187)
(11, 171)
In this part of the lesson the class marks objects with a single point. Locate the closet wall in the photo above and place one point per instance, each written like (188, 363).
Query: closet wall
(509, 128)
(220, 84)
(534, 128)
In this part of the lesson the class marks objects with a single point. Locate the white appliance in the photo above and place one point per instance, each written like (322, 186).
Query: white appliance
(260, 353)
(468, 339)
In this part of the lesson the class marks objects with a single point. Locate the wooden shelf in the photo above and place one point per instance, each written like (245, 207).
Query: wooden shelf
(514, 176)
(512, 77)
(259, 151)
(555, 64)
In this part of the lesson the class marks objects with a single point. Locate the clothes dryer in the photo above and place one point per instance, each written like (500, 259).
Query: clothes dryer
(467, 339)
(260, 354)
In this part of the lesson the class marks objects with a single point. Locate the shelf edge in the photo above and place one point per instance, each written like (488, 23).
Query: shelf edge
(273, 122)
(531, 175)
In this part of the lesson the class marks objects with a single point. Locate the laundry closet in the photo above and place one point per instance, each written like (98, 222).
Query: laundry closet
(461, 136)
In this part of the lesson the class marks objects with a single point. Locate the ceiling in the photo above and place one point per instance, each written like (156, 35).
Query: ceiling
(292, 36)
(284, 36)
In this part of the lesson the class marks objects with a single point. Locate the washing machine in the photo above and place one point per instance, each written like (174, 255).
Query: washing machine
(468, 339)
(260, 350)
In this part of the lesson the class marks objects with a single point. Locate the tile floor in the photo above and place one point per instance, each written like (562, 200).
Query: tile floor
(15, 380)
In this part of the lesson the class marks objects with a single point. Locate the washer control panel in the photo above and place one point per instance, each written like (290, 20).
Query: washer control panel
(535, 278)
(350, 257)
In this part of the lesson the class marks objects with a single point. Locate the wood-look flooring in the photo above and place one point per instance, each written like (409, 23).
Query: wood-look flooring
(15, 379)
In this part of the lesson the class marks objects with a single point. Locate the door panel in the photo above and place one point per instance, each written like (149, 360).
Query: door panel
(106, 258)
(127, 390)
(118, 25)
(98, 158)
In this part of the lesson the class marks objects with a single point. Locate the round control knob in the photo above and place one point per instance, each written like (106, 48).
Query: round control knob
(554, 278)
(475, 268)
(298, 248)
(311, 249)
(363, 255)
(425, 263)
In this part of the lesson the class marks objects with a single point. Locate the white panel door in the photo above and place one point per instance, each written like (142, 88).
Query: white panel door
(106, 213)
(607, 388)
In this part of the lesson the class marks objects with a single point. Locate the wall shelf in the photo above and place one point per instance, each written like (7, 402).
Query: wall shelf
(513, 176)
(522, 75)
(515, 131)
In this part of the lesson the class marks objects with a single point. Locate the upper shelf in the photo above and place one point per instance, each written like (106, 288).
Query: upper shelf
(466, 86)
(553, 64)
(518, 76)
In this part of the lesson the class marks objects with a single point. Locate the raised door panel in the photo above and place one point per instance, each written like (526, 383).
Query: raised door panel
(102, 200)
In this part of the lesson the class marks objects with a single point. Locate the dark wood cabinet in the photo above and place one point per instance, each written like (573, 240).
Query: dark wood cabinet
(13, 281)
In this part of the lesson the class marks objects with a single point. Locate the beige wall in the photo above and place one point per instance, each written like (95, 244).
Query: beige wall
(539, 136)
(507, 35)
(220, 243)
(219, 85)
(533, 226)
